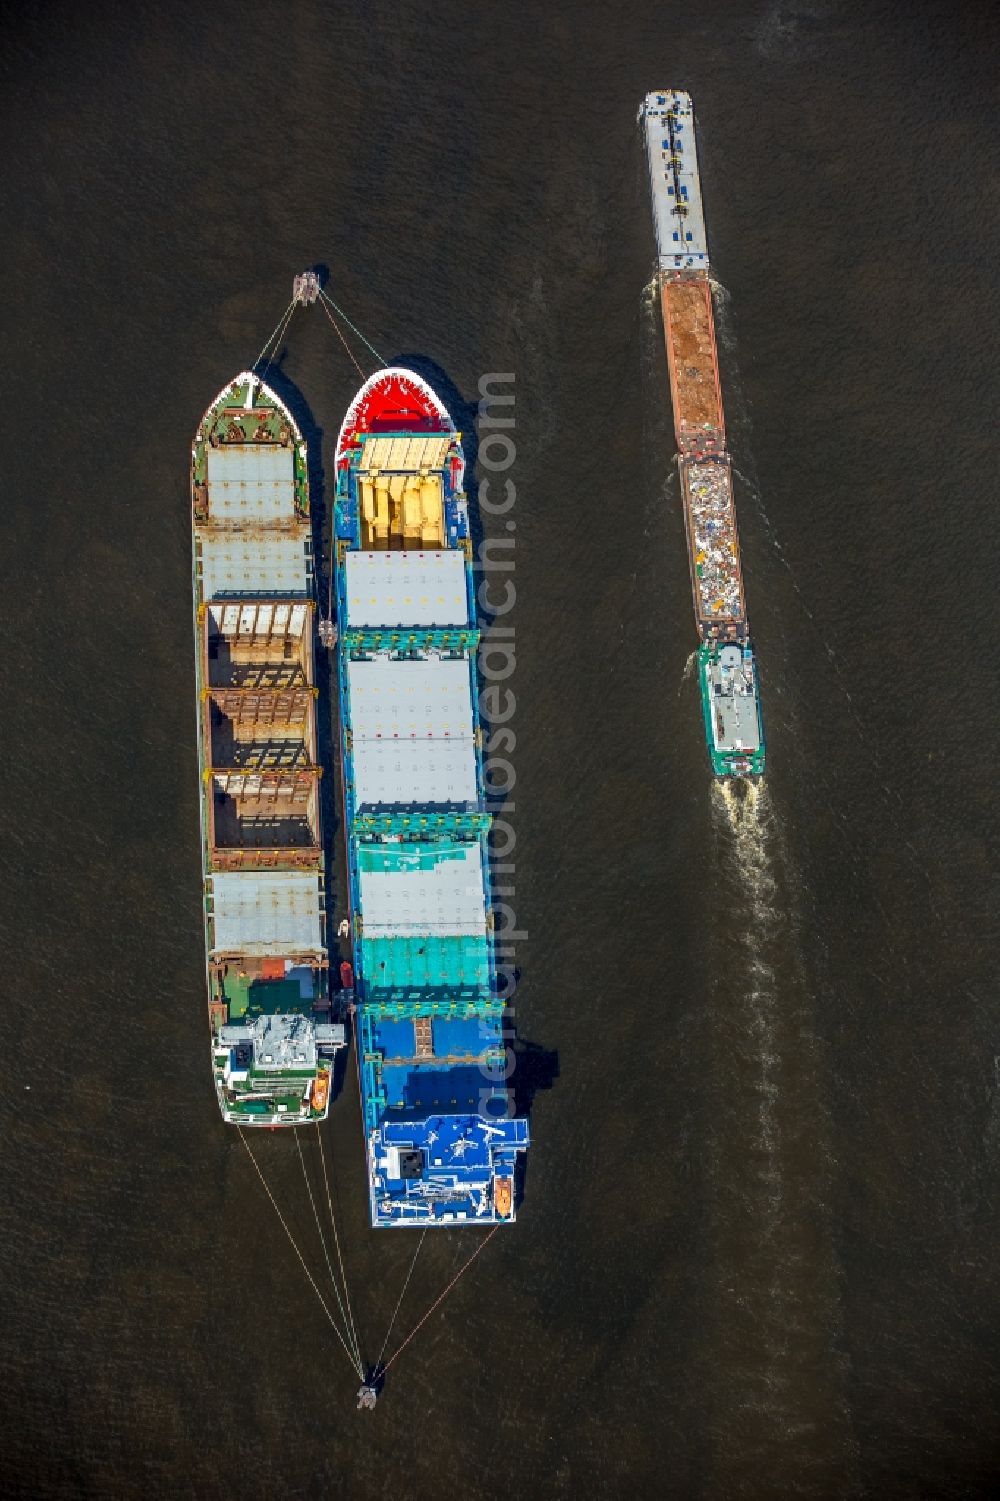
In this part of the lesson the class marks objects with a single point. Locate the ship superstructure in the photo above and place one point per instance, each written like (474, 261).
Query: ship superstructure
(273, 1038)
(730, 694)
(441, 1141)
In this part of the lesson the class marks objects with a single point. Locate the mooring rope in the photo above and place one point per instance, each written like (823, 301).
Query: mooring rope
(336, 1241)
(281, 325)
(438, 1301)
(326, 1254)
(281, 336)
(340, 312)
(399, 1300)
(356, 1365)
(340, 336)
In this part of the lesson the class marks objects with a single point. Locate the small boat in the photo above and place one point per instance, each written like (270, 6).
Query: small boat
(731, 703)
(503, 1197)
(321, 1091)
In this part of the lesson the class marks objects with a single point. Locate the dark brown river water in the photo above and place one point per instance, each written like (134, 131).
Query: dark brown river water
(757, 1255)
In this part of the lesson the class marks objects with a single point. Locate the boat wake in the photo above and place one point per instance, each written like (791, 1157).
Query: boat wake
(725, 333)
(662, 486)
(689, 670)
(745, 810)
(652, 354)
(739, 425)
(777, 1367)
(890, 795)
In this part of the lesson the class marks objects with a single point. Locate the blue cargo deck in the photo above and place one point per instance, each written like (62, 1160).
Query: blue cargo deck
(441, 1140)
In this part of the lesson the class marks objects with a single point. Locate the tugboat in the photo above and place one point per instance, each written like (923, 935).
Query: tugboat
(731, 703)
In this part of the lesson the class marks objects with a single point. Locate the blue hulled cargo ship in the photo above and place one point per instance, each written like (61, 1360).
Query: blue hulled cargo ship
(441, 1140)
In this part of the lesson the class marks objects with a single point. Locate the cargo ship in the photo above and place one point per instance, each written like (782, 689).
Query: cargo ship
(442, 1141)
(727, 670)
(273, 1035)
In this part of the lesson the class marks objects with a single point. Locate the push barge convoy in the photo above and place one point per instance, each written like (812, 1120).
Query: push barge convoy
(727, 671)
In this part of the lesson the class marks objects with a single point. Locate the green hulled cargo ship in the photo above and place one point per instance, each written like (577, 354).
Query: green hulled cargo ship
(273, 1037)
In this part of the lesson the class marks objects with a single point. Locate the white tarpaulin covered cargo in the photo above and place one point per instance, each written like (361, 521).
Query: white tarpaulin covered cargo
(260, 912)
(267, 562)
(402, 773)
(429, 699)
(251, 482)
(418, 888)
(406, 589)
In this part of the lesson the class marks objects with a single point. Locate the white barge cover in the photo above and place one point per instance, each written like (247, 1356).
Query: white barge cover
(391, 773)
(260, 912)
(406, 589)
(253, 483)
(417, 889)
(257, 561)
(678, 218)
(411, 728)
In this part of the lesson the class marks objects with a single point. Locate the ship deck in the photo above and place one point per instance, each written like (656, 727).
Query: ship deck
(675, 188)
(259, 725)
(268, 975)
(693, 361)
(441, 1147)
(713, 545)
(251, 990)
